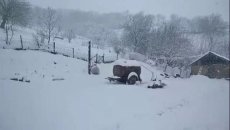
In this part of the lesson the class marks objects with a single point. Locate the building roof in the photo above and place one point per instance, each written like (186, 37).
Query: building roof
(208, 53)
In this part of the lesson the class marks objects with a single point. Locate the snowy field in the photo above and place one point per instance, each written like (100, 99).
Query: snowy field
(62, 96)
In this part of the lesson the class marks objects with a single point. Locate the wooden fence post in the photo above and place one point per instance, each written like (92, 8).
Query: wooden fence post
(89, 58)
(96, 58)
(54, 47)
(21, 41)
(73, 52)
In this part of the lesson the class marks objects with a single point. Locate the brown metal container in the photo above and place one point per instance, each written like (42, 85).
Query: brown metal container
(123, 71)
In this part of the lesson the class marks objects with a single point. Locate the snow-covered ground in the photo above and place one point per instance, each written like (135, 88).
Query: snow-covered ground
(62, 96)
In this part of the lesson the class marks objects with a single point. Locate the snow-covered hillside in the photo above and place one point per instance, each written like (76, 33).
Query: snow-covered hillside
(79, 44)
(62, 96)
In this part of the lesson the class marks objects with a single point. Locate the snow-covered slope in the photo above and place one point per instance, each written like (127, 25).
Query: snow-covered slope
(62, 96)
(79, 44)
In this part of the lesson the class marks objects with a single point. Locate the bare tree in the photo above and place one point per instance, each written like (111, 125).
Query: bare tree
(48, 23)
(36, 40)
(14, 11)
(136, 32)
(70, 35)
(117, 45)
(9, 32)
(222, 46)
(212, 28)
(169, 41)
(100, 35)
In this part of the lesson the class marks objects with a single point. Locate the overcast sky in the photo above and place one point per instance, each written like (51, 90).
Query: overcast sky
(188, 8)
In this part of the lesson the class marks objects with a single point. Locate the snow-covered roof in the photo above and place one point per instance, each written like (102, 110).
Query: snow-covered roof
(219, 55)
(225, 58)
(124, 62)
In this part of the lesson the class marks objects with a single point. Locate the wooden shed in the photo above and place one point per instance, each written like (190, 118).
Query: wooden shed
(212, 65)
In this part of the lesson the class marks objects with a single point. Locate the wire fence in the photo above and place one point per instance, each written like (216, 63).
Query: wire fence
(79, 52)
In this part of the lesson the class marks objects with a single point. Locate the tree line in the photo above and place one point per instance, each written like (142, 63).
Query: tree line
(156, 36)
(150, 35)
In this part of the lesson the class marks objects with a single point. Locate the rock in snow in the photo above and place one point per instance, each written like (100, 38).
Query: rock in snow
(95, 70)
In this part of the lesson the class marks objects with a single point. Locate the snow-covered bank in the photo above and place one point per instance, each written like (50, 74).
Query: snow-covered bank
(83, 102)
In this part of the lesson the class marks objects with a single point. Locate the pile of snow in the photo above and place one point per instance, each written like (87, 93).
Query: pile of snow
(95, 70)
(78, 101)
(137, 56)
(174, 71)
(124, 62)
(151, 62)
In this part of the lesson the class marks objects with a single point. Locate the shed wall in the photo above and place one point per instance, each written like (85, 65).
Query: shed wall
(212, 71)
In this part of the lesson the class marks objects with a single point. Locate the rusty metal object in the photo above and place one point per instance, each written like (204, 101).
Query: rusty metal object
(124, 71)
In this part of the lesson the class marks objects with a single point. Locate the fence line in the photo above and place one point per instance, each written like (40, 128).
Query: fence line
(55, 48)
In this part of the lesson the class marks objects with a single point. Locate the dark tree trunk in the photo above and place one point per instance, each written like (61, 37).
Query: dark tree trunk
(7, 35)
(49, 35)
(49, 40)
(3, 23)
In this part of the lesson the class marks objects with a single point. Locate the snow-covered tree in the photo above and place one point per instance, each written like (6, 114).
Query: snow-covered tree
(117, 45)
(212, 28)
(100, 35)
(48, 23)
(137, 31)
(169, 41)
(14, 12)
(70, 34)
